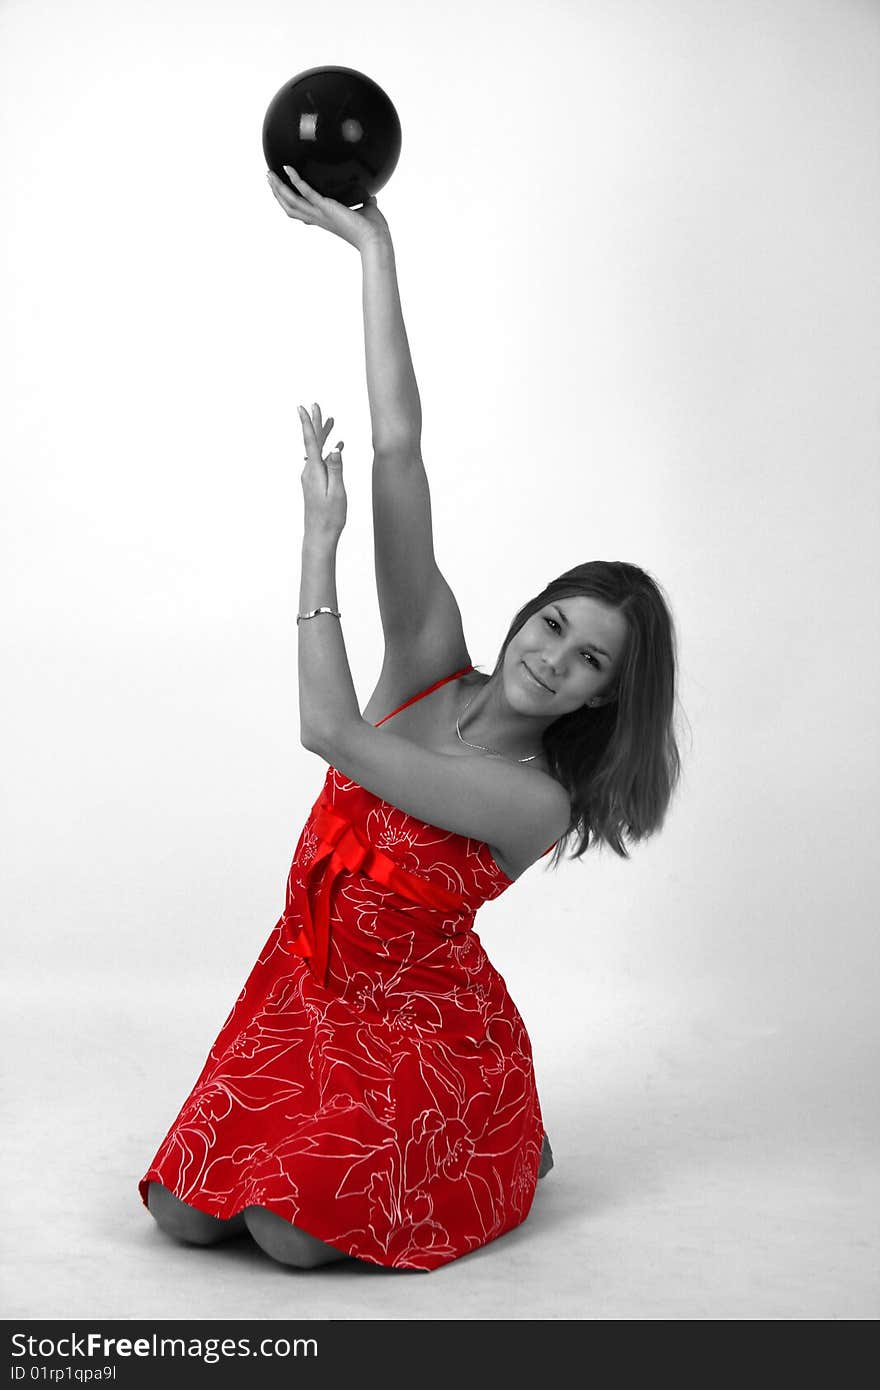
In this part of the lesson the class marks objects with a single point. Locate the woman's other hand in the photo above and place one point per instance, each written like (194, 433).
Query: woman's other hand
(357, 226)
(324, 496)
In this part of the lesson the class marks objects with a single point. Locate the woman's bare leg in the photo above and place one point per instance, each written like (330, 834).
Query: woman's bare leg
(186, 1223)
(286, 1242)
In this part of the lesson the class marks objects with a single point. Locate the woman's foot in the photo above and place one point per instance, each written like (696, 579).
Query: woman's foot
(546, 1158)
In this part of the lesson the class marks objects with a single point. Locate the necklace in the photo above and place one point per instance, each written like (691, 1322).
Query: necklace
(479, 746)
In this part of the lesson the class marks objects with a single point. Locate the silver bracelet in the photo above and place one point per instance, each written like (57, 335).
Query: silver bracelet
(314, 613)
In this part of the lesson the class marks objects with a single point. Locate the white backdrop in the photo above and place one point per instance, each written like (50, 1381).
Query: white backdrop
(639, 254)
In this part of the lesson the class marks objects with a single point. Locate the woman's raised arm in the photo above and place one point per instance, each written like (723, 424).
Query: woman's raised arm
(421, 621)
(417, 606)
(395, 405)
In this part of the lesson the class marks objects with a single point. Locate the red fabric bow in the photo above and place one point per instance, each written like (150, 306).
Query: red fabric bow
(341, 849)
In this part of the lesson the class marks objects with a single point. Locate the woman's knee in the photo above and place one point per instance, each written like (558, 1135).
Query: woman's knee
(286, 1242)
(186, 1223)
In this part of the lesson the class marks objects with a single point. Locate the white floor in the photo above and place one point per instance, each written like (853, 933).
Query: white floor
(719, 1169)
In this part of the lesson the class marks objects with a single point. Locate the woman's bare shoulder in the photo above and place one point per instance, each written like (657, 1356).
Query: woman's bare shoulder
(554, 799)
(552, 816)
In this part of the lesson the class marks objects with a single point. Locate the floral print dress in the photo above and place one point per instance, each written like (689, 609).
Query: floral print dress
(373, 1083)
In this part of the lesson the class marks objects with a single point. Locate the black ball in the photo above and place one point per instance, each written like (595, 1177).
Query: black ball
(338, 129)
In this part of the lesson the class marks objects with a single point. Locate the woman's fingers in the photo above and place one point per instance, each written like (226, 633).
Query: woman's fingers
(314, 418)
(292, 203)
(321, 430)
(308, 429)
(290, 207)
(307, 199)
(304, 189)
(333, 464)
(315, 431)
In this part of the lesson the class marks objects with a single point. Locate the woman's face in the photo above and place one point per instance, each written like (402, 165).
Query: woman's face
(566, 655)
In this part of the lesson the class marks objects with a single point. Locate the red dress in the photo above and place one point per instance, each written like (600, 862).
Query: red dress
(373, 1083)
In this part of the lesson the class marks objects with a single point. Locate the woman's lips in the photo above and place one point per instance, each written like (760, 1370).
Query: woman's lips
(539, 682)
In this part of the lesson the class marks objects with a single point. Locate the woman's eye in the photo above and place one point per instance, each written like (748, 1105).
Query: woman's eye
(552, 623)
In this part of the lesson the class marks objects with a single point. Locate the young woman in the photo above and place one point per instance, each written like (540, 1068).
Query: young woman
(372, 1095)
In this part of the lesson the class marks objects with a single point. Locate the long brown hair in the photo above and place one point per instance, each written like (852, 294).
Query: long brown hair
(619, 762)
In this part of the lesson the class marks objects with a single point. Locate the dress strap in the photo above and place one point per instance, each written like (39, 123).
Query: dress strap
(422, 693)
